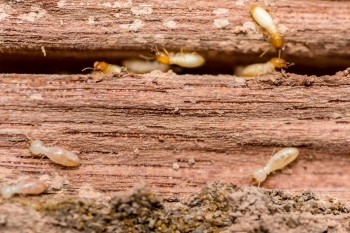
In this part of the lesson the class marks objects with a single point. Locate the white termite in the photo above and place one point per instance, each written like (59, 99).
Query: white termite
(258, 69)
(277, 161)
(104, 68)
(187, 60)
(138, 66)
(264, 19)
(26, 186)
(56, 154)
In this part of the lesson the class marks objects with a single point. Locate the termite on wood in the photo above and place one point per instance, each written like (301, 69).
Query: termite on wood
(277, 161)
(187, 60)
(264, 19)
(26, 186)
(56, 154)
(138, 66)
(104, 67)
(258, 69)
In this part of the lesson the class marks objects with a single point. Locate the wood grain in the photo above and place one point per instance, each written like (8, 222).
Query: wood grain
(128, 128)
(311, 29)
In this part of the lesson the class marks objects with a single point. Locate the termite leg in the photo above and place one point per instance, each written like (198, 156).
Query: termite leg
(156, 50)
(276, 21)
(273, 152)
(284, 73)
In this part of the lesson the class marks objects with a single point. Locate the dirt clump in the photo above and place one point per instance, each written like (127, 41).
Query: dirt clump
(258, 210)
(218, 207)
(140, 210)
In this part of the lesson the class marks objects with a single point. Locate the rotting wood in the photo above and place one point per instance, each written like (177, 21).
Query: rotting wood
(312, 28)
(127, 128)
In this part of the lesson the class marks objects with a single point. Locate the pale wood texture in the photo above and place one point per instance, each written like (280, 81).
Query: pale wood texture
(311, 28)
(129, 128)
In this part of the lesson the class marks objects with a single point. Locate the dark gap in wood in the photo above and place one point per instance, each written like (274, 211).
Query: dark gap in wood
(73, 61)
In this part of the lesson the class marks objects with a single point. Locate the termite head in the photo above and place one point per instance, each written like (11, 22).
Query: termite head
(259, 175)
(9, 191)
(252, 8)
(98, 66)
(277, 40)
(279, 62)
(161, 57)
(36, 147)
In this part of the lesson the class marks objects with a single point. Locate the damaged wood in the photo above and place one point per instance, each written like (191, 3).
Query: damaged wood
(174, 132)
(127, 128)
(312, 28)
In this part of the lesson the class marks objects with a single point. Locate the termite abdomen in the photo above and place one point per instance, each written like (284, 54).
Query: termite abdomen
(26, 186)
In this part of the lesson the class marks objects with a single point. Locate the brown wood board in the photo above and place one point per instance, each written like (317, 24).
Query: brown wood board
(128, 128)
(311, 28)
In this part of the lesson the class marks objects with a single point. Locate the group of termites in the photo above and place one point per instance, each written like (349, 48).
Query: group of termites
(264, 20)
(67, 158)
(36, 186)
(163, 60)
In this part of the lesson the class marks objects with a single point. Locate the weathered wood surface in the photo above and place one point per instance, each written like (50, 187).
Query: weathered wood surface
(129, 128)
(311, 28)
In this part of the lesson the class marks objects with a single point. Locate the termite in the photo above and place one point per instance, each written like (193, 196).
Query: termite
(187, 60)
(104, 67)
(258, 69)
(277, 161)
(264, 19)
(56, 154)
(26, 186)
(138, 66)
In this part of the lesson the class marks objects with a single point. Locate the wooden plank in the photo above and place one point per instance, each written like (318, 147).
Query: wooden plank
(312, 28)
(128, 128)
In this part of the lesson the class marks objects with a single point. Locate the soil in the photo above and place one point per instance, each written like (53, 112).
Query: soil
(218, 207)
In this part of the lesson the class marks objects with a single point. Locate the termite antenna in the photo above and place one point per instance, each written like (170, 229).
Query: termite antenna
(288, 64)
(265, 51)
(166, 52)
(29, 139)
(279, 54)
(87, 68)
(146, 57)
